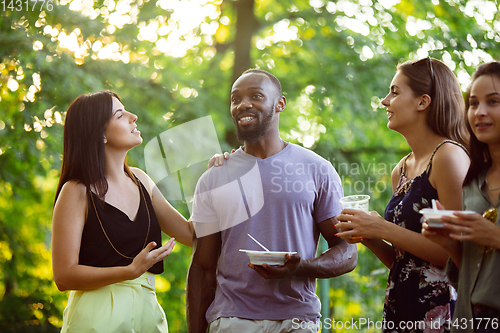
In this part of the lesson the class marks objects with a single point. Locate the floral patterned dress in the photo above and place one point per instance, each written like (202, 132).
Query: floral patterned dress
(418, 295)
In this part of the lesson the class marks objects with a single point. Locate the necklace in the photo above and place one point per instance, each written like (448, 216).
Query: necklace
(104, 231)
(488, 186)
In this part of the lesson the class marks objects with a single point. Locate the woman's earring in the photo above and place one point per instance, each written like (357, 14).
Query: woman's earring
(105, 141)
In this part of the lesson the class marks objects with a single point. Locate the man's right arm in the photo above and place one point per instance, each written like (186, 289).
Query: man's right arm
(201, 281)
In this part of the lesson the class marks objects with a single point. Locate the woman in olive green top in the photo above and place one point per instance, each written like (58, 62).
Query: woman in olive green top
(472, 240)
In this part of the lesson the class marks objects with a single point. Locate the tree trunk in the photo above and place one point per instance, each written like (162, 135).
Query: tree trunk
(246, 24)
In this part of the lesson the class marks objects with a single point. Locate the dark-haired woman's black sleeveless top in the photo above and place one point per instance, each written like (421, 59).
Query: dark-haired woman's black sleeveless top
(417, 291)
(125, 236)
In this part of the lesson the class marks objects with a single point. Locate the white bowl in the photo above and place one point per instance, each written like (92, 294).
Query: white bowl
(276, 258)
(433, 217)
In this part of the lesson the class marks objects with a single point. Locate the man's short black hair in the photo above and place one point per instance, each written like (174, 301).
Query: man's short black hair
(273, 78)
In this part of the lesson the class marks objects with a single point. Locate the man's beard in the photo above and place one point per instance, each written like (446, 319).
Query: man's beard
(253, 134)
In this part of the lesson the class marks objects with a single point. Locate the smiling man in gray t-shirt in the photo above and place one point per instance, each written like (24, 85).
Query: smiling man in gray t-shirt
(283, 195)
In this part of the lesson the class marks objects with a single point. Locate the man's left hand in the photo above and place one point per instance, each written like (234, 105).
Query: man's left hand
(278, 272)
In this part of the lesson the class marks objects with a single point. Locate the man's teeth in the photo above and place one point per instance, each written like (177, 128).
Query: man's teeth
(246, 118)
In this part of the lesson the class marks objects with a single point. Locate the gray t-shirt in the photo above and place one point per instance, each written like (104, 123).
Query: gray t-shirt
(277, 200)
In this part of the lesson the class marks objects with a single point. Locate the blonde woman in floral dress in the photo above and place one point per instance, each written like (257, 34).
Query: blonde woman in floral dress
(425, 105)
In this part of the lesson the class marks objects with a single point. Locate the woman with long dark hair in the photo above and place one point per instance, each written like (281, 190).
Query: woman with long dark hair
(425, 105)
(107, 223)
(472, 240)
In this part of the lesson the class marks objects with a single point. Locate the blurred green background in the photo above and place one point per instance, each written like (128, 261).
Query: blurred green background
(172, 61)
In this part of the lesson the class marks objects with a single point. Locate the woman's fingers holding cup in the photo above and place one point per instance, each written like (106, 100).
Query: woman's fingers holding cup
(342, 226)
(346, 215)
(345, 231)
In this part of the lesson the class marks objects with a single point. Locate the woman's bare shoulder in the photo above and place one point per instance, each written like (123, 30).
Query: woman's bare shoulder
(450, 155)
(73, 189)
(144, 178)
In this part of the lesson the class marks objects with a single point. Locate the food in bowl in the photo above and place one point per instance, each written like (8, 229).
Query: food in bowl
(274, 258)
(433, 217)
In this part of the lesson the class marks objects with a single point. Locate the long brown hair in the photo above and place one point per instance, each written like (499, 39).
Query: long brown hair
(479, 151)
(446, 115)
(83, 153)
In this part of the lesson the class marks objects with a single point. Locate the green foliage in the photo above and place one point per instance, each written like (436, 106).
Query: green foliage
(334, 59)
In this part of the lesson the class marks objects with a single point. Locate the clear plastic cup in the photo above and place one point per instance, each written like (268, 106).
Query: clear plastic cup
(359, 202)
